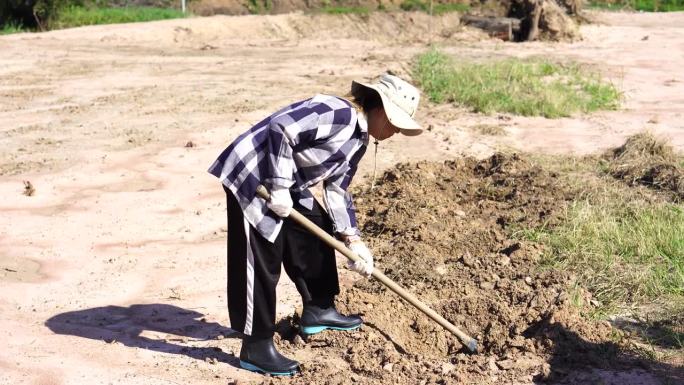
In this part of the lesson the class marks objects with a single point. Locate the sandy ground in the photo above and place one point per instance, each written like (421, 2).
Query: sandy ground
(125, 234)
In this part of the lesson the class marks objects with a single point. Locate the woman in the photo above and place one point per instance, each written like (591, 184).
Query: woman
(316, 140)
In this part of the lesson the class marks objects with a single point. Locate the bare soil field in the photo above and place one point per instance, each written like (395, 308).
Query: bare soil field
(113, 270)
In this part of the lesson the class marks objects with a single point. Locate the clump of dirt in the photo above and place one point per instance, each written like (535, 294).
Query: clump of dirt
(444, 232)
(647, 160)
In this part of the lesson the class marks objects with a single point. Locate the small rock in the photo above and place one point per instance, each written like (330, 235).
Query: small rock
(486, 285)
(441, 269)
(460, 213)
(528, 280)
(492, 365)
(189, 144)
(388, 367)
(505, 364)
(29, 190)
(468, 260)
(298, 341)
(220, 337)
(447, 368)
(503, 260)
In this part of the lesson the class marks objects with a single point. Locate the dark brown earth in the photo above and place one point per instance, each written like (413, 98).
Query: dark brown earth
(445, 232)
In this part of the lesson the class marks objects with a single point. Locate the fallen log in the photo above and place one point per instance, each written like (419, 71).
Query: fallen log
(500, 27)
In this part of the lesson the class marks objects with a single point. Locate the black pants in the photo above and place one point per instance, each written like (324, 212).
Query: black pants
(254, 268)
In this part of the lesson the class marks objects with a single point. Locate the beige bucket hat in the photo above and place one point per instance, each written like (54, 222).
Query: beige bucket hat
(399, 99)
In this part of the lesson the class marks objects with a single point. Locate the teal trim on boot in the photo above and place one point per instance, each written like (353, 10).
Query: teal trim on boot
(309, 330)
(254, 368)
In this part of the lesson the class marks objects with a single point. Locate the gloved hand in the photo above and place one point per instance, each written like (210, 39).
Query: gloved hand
(281, 202)
(364, 267)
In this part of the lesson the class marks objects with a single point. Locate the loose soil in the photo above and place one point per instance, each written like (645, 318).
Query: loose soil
(444, 230)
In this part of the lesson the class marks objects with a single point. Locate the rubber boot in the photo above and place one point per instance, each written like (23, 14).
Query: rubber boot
(315, 319)
(260, 355)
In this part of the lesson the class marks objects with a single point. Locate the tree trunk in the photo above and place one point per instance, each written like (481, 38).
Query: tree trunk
(535, 15)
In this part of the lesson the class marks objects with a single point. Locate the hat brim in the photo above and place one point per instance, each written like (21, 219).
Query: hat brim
(400, 119)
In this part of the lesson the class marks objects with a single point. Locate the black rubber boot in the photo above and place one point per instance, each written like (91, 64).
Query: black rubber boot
(315, 319)
(260, 355)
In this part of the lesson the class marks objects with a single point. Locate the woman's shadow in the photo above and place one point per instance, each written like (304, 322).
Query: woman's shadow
(126, 324)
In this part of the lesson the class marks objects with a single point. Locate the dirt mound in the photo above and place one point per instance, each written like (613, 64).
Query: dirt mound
(442, 230)
(647, 160)
(392, 28)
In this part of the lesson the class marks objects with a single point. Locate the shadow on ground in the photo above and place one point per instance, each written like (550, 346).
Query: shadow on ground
(577, 361)
(126, 325)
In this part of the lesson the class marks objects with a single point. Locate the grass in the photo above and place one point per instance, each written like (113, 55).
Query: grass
(259, 6)
(345, 10)
(489, 129)
(647, 160)
(521, 87)
(11, 28)
(437, 9)
(79, 16)
(640, 5)
(624, 250)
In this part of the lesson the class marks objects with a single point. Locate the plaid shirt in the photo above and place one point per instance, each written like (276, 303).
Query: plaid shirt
(318, 139)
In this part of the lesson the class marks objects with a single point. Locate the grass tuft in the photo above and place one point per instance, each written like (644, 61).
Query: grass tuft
(10, 28)
(79, 16)
(624, 252)
(640, 5)
(529, 88)
(645, 159)
(437, 9)
(345, 10)
(623, 248)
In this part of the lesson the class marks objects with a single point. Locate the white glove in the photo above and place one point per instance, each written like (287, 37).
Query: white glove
(365, 266)
(281, 202)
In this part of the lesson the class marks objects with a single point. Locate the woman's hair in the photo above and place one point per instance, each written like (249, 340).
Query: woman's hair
(365, 99)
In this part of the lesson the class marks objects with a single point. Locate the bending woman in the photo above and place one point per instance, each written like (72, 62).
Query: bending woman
(320, 139)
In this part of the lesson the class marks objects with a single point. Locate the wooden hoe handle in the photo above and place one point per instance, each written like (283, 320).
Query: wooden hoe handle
(469, 342)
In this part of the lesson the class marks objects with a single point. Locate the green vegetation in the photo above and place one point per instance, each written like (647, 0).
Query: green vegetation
(610, 6)
(16, 15)
(529, 88)
(259, 6)
(437, 9)
(640, 5)
(623, 251)
(345, 10)
(11, 28)
(624, 242)
(78, 16)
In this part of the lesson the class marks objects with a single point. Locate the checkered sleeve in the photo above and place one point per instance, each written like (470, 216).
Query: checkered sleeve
(284, 134)
(340, 203)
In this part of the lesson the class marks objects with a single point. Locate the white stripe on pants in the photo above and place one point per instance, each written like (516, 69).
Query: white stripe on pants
(250, 281)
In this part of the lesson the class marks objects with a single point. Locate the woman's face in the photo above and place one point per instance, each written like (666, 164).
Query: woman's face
(379, 127)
